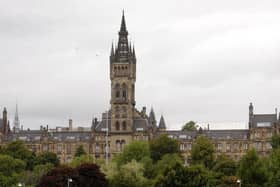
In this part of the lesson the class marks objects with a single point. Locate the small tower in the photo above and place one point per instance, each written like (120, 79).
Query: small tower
(16, 121)
(5, 122)
(251, 115)
(152, 118)
(162, 126)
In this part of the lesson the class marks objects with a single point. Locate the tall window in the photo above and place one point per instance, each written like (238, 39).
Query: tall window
(117, 126)
(124, 125)
(117, 89)
(124, 91)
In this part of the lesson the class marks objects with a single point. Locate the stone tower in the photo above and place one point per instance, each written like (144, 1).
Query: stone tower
(123, 77)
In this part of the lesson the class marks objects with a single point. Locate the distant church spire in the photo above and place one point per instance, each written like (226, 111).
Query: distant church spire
(16, 120)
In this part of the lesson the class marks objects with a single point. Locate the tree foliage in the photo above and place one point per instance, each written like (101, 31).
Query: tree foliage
(80, 151)
(275, 141)
(17, 149)
(190, 126)
(83, 159)
(163, 145)
(89, 175)
(47, 157)
(252, 170)
(58, 177)
(130, 175)
(202, 152)
(225, 165)
(10, 170)
(136, 150)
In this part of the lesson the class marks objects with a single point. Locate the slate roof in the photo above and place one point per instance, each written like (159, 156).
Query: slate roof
(38, 135)
(227, 134)
(162, 123)
(264, 118)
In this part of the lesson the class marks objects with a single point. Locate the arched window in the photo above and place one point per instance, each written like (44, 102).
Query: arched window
(124, 125)
(117, 89)
(117, 126)
(124, 91)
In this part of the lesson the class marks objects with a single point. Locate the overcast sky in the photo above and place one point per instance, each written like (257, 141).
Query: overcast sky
(197, 60)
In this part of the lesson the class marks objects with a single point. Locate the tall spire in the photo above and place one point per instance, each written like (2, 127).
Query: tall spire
(16, 120)
(123, 25)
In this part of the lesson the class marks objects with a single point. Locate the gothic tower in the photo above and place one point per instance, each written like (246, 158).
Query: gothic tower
(123, 77)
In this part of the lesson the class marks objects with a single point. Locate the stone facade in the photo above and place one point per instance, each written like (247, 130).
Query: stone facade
(123, 123)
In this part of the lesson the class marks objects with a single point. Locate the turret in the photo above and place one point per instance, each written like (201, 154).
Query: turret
(251, 114)
(162, 125)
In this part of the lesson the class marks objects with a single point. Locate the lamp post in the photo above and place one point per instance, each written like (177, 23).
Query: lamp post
(19, 185)
(106, 138)
(69, 180)
(238, 182)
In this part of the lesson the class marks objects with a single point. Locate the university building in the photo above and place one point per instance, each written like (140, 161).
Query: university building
(123, 123)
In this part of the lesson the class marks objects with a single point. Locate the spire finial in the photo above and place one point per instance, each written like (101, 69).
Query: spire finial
(123, 25)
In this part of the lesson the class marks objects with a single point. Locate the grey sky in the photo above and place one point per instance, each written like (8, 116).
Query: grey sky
(197, 60)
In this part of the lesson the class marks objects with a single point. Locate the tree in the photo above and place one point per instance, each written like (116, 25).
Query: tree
(180, 176)
(252, 170)
(33, 177)
(47, 157)
(163, 145)
(58, 177)
(190, 126)
(225, 165)
(83, 159)
(130, 175)
(274, 168)
(17, 149)
(167, 161)
(275, 141)
(10, 170)
(80, 151)
(136, 150)
(202, 152)
(89, 175)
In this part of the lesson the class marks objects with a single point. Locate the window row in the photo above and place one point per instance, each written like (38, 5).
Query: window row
(117, 126)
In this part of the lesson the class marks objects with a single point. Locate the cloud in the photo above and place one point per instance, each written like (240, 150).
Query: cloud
(197, 60)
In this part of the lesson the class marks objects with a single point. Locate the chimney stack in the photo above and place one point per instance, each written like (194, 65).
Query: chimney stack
(70, 124)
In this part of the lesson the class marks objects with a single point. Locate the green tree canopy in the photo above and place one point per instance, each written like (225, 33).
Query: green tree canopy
(274, 168)
(163, 145)
(136, 150)
(10, 170)
(166, 162)
(17, 149)
(47, 157)
(203, 152)
(80, 151)
(83, 159)
(32, 178)
(190, 126)
(225, 165)
(130, 175)
(180, 176)
(252, 170)
(275, 141)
